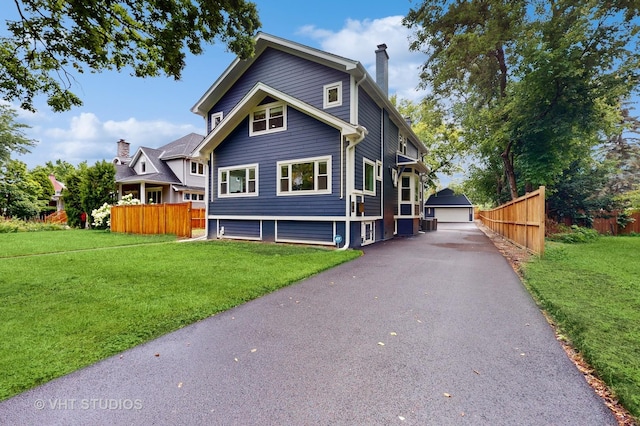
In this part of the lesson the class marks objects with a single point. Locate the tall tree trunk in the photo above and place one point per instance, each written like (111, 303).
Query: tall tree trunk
(509, 170)
(507, 156)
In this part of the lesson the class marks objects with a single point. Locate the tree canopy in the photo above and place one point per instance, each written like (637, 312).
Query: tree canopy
(12, 137)
(533, 85)
(51, 40)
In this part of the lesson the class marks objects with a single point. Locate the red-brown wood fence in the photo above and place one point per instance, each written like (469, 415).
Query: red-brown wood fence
(610, 225)
(521, 221)
(197, 218)
(153, 219)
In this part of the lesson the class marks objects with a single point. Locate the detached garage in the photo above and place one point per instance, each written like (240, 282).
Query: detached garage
(446, 206)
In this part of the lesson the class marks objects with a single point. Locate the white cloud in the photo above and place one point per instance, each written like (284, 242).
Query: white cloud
(87, 138)
(358, 40)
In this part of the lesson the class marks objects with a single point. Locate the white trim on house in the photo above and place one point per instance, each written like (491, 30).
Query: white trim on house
(366, 162)
(317, 161)
(272, 123)
(296, 218)
(251, 100)
(328, 90)
(247, 168)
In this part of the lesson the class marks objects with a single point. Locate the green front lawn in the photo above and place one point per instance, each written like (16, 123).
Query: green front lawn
(592, 291)
(66, 310)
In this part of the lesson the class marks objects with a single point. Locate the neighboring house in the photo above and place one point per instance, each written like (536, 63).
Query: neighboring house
(162, 175)
(446, 206)
(304, 146)
(56, 199)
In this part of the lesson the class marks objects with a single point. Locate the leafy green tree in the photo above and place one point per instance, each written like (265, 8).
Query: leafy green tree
(579, 193)
(45, 189)
(60, 169)
(534, 83)
(444, 143)
(98, 186)
(19, 192)
(51, 40)
(623, 150)
(73, 198)
(12, 137)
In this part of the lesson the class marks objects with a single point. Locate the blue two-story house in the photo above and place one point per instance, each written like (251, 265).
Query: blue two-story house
(304, 146)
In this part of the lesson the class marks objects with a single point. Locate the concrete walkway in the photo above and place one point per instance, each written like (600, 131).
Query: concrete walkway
(431, 330)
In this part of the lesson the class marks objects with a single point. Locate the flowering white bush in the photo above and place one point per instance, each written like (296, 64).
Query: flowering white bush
(102, 216)
(128, 200)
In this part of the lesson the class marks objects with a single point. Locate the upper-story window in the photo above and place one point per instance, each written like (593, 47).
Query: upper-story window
(197, 168)
(143, 167)
(268, 118)
(305, 176)
(402, 144)
(369, 176)
(332, 95)
(214, 119)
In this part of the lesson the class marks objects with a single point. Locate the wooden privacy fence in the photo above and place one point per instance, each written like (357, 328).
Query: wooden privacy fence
(610, 225)
(197, 218)
(521, 221)
(153, 219)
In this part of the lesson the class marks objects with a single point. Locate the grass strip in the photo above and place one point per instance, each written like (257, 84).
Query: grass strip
(65, 311)
(28, 243)
(592, 291)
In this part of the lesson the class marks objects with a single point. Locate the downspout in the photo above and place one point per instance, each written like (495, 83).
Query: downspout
(349, 152)
(362, 132)
(207, 194)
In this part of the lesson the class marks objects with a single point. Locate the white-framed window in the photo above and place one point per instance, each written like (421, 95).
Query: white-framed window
(305, 176)
(368, 177)
(268, 118)
(192, 196)
(332, 95)
(197, 168)
(143, 167)
(238, 181)
(378, 170)
(402, 144)
(214, 119)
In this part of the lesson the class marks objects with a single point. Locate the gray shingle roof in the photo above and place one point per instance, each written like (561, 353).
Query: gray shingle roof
(182, 147)
(447, 197)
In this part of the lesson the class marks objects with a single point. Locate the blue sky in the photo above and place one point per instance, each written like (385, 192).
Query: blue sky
(154, 111)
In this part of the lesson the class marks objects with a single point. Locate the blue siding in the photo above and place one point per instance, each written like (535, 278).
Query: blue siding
(297, 77)
(369, 148)
(241, 228)
(305, 231)
(305, 137)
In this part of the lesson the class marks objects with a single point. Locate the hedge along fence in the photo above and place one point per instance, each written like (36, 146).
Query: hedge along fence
(521, 221)
(152, 219)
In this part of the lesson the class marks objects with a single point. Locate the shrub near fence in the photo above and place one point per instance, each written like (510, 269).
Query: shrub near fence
(152, 219)
(521, 221)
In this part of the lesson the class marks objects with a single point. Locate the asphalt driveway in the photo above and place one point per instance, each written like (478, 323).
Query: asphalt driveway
(431, 330)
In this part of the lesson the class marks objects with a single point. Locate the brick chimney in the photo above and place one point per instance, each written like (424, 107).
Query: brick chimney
(382, 68)
(123, 149)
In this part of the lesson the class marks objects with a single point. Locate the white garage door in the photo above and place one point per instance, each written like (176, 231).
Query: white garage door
(450, 214)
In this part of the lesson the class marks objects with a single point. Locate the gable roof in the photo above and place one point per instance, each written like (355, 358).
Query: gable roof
(252, 99)
(57, 185)
(180, 148)
(352, 67)
(447, 198)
